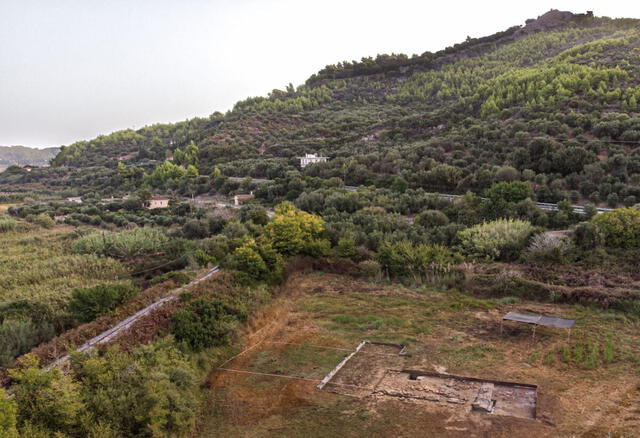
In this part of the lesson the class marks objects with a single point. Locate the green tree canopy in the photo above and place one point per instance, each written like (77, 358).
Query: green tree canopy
(293, 231)
(49, 399)
(621, 227)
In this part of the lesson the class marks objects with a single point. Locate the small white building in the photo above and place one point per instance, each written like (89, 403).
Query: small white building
(158, 202)
(239, 199)
(311, 159)
(76, 199)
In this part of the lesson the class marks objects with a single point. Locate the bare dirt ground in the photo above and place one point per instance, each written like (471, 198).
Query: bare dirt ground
(446, 332)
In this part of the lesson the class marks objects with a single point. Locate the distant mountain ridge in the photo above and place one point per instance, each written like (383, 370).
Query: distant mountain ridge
(22, 156)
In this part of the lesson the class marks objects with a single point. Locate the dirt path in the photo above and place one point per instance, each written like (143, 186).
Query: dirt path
(127, 323)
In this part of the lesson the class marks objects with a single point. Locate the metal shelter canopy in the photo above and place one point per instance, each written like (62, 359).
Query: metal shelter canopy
(551, 321)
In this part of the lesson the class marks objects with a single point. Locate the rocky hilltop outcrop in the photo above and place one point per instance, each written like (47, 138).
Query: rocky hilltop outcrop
(548, 21)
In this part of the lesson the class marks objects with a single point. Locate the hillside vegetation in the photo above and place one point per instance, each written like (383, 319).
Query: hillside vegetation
(557, 108)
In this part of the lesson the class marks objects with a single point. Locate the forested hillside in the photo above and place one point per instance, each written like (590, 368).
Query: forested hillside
(554, 103)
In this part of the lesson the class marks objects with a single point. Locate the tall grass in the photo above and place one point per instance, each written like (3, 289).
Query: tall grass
(38, 274)
(588, 355)
(7, 225)
(501, 239)
(125, 244)
(18, 337)
(38, 266)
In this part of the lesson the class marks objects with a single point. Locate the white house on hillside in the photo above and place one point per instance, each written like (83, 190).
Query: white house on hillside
(239, 199)
(311, 159)
(158, 202)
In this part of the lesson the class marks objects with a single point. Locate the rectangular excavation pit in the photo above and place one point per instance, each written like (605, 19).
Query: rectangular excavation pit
(488, 396)
(378, 370)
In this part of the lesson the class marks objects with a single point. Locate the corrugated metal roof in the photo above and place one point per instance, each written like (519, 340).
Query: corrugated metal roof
(552, 321)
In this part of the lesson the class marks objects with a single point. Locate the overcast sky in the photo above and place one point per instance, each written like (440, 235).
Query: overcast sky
(74, 69)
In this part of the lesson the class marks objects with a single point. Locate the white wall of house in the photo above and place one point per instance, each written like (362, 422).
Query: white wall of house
(311, 158)
(158, 203)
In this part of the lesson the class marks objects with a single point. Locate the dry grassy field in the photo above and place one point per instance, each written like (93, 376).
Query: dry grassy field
(587, 385)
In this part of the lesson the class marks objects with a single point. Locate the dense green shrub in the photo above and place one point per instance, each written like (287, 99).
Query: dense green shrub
(621, 227)
(587, 236)
(247, 259)
(119, 214)
(217, 246)
(44, 220)
(370, 269)
(234, 229)
(258, 260)
(515, 191)
(254, 213)
(502, 239)
(88, 304)
(195, 229)
(202, 258)
(293, 231)
(432, 218)
(203, 324)
(504, 199)
(346, 248)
